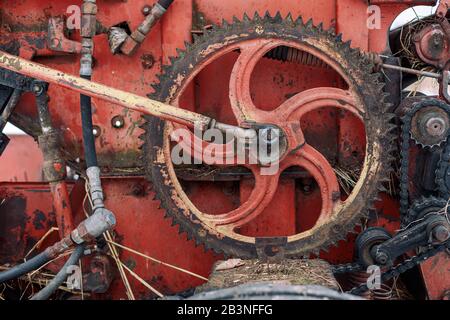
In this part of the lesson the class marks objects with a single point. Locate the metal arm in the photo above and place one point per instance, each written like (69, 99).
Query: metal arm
(97, 90)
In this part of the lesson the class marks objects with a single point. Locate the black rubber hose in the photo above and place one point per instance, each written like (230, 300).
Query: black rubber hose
(165, 3)
(28, 266)
(62, 275)
(88, 128)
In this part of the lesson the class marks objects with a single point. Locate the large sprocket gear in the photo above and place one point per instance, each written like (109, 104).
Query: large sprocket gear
(365, 88)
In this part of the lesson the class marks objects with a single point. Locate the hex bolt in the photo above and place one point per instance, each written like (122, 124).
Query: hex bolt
(435, 126)
(441, 233)
(146, 10)
(96, 131)
(118, 122)
(381, 257)
(148, 61)
(306, 186)
(38, 89)
(446, 296)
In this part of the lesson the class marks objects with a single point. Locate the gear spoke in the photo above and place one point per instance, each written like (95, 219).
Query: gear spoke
(313, 99)
(241, 101)
(318, 166)
(262, 194)
(209, 153)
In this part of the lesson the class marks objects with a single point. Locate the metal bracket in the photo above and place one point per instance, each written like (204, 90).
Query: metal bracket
(15, 80)
(271, 249)
(56, 39)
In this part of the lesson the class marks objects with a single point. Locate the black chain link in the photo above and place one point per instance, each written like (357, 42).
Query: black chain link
(406, 215)
(403, 267)
(346, 268)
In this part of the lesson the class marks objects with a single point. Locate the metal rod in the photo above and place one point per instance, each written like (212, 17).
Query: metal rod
(412, 71)
(8, 110)
(97, 90)
(54, 164)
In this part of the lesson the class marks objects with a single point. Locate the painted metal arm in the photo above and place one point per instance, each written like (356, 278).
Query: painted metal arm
(103, 92)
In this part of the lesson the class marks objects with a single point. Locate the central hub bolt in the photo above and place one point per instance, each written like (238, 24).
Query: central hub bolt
(382, 257)
(435, 126)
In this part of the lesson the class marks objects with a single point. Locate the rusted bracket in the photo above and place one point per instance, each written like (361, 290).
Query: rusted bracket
(56, 39)
(271, 249)
(443, 8)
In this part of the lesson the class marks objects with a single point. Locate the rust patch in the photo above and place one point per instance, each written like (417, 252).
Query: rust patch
(13, 219)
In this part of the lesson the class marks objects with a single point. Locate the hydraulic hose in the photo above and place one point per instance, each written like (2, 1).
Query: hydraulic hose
(88, 128)
(61, 276)
(26, 267)
(165, 3)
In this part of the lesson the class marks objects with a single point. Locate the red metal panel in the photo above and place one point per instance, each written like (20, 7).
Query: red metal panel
(22, 160)
(436, 276)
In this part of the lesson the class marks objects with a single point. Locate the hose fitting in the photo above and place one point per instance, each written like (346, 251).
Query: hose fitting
(102, 220)
(88, 31)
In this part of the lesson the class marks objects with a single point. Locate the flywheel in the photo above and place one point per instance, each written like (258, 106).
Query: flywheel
(251, 43)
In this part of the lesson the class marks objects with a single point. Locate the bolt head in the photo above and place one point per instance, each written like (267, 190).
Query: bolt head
(435, 126)
(382, 257)
(118, 122)
(441, 233)
(146, 10)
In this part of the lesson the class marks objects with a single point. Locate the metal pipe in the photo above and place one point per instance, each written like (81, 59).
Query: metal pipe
(96, 90)
(9, 108)
(413, 71)
(133, 41)
(54, 164)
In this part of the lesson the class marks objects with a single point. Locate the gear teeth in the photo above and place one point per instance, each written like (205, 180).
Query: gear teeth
(348, 44)
(390, 117)
(320, 26)
(289, 19)
(267, 16)
(225, 24)
(166, 69)
(180, 53)
(391, 127)
(196, 37)
(299, 21)
(187, 45)
(257, 17)
(236, 20)
(309, 24)
(214, 27)
(338, 37)
(278, 18)
(172, 60)
(156, 87)
(246, 18)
